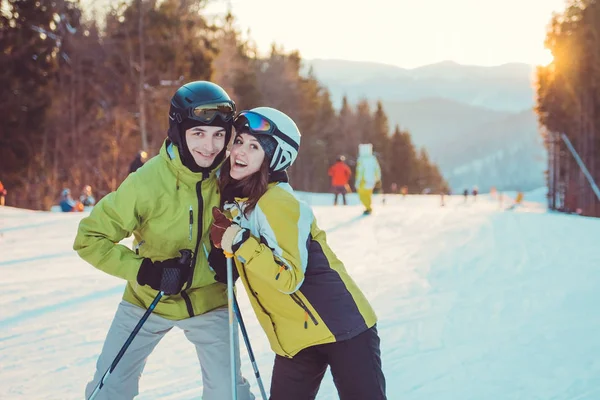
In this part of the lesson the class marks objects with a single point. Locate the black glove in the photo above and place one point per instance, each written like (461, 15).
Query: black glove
(218, 262)
(167, 276)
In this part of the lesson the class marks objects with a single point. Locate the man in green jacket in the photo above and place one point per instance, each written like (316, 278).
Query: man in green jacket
(166, 205)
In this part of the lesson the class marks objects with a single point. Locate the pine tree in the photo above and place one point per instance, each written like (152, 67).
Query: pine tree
(379, 137)
(402, 159)
(344, 143)
(567, 103)
(364, 126)
(31, 37)
(88, 95)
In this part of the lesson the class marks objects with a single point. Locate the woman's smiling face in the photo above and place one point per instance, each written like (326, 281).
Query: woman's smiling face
(246, 156)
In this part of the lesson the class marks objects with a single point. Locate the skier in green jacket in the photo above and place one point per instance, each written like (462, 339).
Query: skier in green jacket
(166, 204)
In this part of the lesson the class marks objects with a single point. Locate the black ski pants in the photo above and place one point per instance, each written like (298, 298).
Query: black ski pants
(355, 366)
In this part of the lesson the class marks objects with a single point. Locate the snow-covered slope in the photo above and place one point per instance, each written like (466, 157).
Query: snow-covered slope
(474, 303)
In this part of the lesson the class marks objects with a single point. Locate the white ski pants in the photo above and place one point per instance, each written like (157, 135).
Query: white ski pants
(208, 332)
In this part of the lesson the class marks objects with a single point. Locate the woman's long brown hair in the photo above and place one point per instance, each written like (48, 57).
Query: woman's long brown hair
(252, 187)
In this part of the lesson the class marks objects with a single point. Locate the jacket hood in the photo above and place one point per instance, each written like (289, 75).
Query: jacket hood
(365, 149)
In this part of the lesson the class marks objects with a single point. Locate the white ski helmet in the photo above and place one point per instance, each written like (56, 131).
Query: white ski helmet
(365, 149)
(272, 122)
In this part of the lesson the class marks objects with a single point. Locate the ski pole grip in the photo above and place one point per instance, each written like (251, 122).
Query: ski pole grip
(186, 256)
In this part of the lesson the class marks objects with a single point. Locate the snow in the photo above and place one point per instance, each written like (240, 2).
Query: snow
(474, 303)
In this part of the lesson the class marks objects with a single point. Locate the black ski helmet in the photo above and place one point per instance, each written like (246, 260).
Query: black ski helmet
(205, 103)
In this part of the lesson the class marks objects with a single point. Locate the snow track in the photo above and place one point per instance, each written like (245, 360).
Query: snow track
(473, 302)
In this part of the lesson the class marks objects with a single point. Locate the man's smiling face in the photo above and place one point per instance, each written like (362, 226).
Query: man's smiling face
(205, 143)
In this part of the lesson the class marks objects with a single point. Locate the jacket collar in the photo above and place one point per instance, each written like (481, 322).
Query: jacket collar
(170, 153)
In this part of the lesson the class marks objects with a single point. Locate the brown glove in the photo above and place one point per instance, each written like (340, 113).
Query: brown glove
(223, 231)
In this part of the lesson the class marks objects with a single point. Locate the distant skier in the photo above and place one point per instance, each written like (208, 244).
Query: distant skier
(87, 198)
(340, 175)
(138, 161)
(404, 191)
(475, 192)
(519, 198)
(518, 201)
(368, 174)
(2, 194)
(67, 203)
(466, 194)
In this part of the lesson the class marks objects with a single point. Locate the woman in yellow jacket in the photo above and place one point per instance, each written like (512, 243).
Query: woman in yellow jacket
(167, 204)
(312, 311)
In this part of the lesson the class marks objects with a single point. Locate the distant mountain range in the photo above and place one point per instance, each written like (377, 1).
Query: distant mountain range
(476, 122)
(506, 87)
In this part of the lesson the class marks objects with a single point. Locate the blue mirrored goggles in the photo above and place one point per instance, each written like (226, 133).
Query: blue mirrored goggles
(255, 123)
(258, 124)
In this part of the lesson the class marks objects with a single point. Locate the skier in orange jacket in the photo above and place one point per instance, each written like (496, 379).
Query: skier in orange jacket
(340, 175)
(2, 194)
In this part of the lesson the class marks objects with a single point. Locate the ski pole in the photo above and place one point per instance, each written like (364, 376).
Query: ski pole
(185, 259)
(238, 313)
(126, 345)
(231, 327)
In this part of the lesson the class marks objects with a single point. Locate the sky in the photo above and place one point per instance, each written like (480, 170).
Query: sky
(401, 32)
(473, 303)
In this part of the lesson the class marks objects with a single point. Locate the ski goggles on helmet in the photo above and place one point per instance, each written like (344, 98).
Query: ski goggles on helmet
(206, 113)
(261, 125)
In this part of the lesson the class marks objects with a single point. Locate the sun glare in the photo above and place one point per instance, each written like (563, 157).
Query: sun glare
(545, 58)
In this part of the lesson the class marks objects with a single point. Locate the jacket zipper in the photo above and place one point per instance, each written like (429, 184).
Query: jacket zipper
(255, 295)
(297, 299)
(184, 294)
(307, 312)
(137, 247)
(282, 267)
(191, 222)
